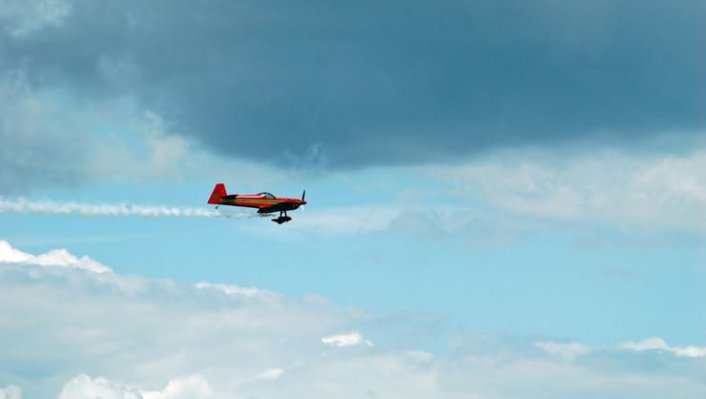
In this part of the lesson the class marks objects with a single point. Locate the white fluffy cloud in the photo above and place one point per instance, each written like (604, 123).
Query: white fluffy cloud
(194, 387)
(85, 387)
(102, 335)
(54, 258)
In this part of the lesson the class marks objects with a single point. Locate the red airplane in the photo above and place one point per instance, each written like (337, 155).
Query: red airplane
(264, 202)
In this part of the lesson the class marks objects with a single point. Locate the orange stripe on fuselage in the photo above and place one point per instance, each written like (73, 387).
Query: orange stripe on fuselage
(255, 201)
(251, 202)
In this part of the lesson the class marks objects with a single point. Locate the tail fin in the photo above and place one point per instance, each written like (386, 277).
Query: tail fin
(218, 192)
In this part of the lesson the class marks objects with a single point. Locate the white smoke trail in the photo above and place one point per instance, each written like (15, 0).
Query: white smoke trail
(22, 206)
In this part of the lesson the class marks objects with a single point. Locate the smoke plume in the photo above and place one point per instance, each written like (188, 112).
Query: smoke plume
(22, 206)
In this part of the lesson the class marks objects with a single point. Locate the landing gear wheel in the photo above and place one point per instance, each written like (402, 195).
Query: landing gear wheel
(283, 218)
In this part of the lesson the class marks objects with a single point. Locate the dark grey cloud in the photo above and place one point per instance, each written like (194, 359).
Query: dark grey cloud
(362, 83)
(35, 150)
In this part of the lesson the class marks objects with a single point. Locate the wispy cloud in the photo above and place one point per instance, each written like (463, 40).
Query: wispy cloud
(271, 374)
(567, 350)
(598, 187)
(660, 345)
(353, 338)
(232, 290)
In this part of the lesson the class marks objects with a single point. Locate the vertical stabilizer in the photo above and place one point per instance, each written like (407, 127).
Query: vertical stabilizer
(218, 192)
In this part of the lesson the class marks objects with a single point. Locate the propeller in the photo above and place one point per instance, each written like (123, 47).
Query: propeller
(303, 197)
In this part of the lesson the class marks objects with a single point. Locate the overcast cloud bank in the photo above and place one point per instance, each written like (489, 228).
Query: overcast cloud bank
(359, 84)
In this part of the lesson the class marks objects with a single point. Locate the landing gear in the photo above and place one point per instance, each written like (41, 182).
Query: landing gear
(283, 218)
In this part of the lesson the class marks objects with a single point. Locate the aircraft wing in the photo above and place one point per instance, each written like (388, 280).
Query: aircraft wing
(270, 208)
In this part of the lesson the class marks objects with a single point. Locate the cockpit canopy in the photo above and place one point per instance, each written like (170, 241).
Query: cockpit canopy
(267, 195)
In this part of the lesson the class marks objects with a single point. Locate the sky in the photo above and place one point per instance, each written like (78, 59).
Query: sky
(505, 199)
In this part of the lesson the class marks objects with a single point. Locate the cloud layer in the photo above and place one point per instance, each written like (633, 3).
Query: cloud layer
(634, 192)
(101, 334)
(366, 83)
(52, 138)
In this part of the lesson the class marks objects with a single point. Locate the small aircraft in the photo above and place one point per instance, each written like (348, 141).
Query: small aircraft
(264, 202)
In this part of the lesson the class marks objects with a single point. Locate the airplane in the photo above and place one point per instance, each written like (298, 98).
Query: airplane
(264, 202)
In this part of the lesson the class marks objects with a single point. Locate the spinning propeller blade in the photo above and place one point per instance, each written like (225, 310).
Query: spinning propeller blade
(303, 199)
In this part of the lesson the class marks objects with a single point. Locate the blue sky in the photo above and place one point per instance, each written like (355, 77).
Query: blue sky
(505, 199)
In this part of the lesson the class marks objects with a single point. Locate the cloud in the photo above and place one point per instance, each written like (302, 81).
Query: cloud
(194, 387)
(97, 324)
(83, 386)
(35, 150)
(94, 335)
(27, 16)
(10, 392)
(635, 192)
(658, 344)
(347, 220)
(508, 194)
(55, 258)
(51, 139)
(368, 84)
(567, 350)
(353, 338)
(271, 374)
(232, 290)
